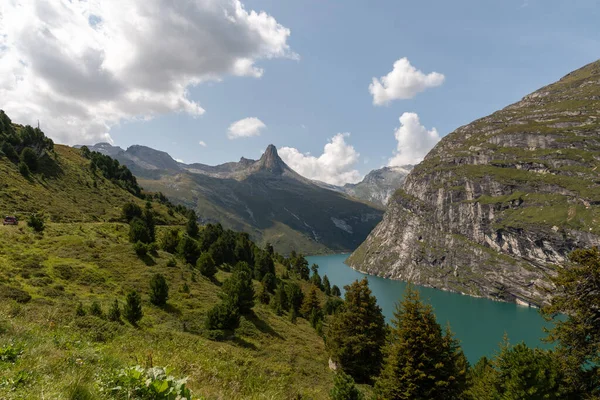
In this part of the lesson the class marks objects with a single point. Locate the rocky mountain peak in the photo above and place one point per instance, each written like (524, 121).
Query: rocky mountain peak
(270, 161)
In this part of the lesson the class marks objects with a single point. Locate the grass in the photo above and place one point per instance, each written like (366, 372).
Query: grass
(65, 356)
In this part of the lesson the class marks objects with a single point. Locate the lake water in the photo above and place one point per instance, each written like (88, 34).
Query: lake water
(478, 323)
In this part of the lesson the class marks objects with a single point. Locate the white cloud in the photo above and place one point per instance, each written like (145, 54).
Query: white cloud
(403, 82)
(414, 141)
(335, 166)
(246, 127)
(179, 160)
(202, 143)
(82, 67)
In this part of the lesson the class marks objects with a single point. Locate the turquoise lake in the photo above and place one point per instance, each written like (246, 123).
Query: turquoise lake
(479, 324)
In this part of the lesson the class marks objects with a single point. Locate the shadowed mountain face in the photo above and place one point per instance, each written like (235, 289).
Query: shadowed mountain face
(498, 203)
(264, 197)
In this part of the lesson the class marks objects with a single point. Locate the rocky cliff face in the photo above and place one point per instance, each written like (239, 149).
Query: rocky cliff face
(498, 204)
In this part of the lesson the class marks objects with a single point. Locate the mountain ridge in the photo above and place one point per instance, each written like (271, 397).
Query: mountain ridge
(499, 202)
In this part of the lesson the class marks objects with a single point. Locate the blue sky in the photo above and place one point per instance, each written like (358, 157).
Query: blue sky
(491, 53)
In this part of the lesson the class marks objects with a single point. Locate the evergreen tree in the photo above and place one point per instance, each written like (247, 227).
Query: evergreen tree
(206, 265)
(263, 264)
(421, 362)
(326, 285)
(170, 241)
(139, 232)
(80, 311)
(238, 289)
(316, 278)
(578, 336)
(96, 309)
(333, 305)
(295, 296)
(114, 313)
(270, 282)
(310, 303)
(188, 249)
(223, 316)
(293, 316)
(133, 308)
(263, 294)
(129, 211)
(148, 218)
(280, 300)
(344, 388)
(29, 158)
(335, 291)
(357, 334)
(159, 290)
(191, 228)
(36, 222)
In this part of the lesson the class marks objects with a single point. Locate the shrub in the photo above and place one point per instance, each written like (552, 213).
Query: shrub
(96, 309)
(141, 249)
(80, 311)
(13, 293)
(188, 249)
(206, 265)
(36, 222)
(170, 240)
(223, 316)
(133, 308)
(29, 158)
(172, 263)
(9, 151)
(131, 211)
(10, 352)
(159, 290)
(139, 232)
(146, 384)
(114, 313)
(24, 169)
(344, 388)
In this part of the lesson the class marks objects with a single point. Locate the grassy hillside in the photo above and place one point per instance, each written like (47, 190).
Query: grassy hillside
(66, 190)
(270, 356)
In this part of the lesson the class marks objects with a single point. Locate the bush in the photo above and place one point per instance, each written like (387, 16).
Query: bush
(223, 316)
(10, 352)
(80, 311)
(96, 309)
(9, 151)
(114, 313)
(131, 211)
(133, 308)
(172, 263)
(344, 388)
(13, 293)
(170, 240)
(159, 290)
(139, 232)
(206, 265)
(146, 384)
(36, 222)
(188, 249)
(24, 169)
(29, 158)
(141, 249)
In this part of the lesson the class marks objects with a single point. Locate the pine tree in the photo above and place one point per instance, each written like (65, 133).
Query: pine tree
(420, 361)
(114, 313)
(263, 294)
(188, 249)
(191, 228)
(270, 282)
(335, 291)
(159, 290)
(280, 300)
(357, 334)
(310, 303)
(133, 308)
(96, 309)
(344, 388)
(238, 289)
(295, 296)
(206, 265)
(326, 285)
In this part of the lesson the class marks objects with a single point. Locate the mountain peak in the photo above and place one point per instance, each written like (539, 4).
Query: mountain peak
(271, 161)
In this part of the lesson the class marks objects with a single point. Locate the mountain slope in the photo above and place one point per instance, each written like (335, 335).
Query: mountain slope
(379, 185)
(499, 202)
(265, 198)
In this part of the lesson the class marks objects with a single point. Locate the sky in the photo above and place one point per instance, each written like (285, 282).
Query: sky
(340, 87)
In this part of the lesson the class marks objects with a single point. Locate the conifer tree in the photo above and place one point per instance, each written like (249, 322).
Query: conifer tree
(326, 285)
(206, 265)
(335, 291)
(295, 296)
(310, 303)
(133, 308)
(159, 290)
(114, 313)
(191, 227)
(421, 362)
(357, 334)
(238, 290)
(280, 300)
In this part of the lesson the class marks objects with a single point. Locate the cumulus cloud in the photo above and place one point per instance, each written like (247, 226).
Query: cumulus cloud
(414, 141)
(82, 67)
(246, 127)
(403, 82)
(335, 166)
(202, 143)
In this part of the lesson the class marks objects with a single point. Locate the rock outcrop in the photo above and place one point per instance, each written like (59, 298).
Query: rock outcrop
(499, 204)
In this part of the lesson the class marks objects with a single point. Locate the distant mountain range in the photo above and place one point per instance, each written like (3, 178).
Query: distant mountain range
(379, 185)
(264, 197)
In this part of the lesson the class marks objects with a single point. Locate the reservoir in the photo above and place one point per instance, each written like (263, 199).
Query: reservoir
(479, 324)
